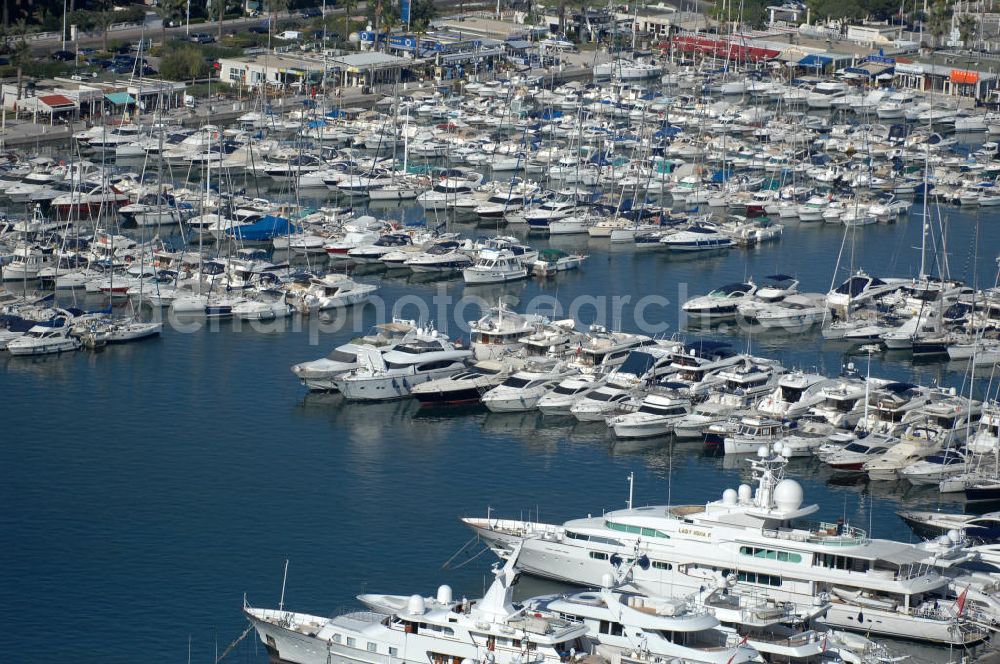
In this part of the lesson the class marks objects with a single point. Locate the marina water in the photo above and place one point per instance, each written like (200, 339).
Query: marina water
(149, 486)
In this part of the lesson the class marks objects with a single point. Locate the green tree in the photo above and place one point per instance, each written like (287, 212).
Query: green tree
(422, 12)
(183, 64)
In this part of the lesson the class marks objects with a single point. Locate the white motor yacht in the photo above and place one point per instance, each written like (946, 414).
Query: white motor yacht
(655, 415)
(44, 339)
(328, 292)
(495, 267)
(467, 386)
(320, 375)
(423, 357)
(697, 237)
(499, 331)
(560, 400)
(670, 629)
(721, 302)
(521, 390)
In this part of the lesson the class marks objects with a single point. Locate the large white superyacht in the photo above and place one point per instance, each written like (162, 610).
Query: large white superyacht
(423, 631)
(875, 586)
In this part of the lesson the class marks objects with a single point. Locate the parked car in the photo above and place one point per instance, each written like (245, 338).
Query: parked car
(64, 56)
(310, 12)
(201, 38)
(260, 29)
(289, 35)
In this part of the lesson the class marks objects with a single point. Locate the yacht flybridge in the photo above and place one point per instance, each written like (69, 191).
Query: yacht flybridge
(758, 536)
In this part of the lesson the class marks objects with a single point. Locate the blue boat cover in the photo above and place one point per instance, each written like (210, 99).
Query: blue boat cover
(265, 229)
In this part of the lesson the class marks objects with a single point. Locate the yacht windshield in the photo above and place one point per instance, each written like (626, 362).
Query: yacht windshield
(730, 289)
(637, 364)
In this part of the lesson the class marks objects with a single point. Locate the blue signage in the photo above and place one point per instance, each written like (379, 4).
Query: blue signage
(404, 11)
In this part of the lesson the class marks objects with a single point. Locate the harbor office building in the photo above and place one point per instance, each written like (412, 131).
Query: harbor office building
(444, 53)
(946, 80)
(282, 71)
(64, 98)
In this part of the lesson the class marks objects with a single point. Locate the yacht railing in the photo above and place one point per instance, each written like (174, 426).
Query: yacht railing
(825, 533)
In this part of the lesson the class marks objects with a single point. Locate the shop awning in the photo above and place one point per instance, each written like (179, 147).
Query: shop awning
(119, 98)
(57, 102)
(815, 60)
(870, 69)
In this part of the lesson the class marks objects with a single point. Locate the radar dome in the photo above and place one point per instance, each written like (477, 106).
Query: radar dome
(788, 495)
(778, 447)
(954, 536)
(415, 605)
(943, 540)
(444, 594)
(730, 497)
(745, 493)
(762, 452)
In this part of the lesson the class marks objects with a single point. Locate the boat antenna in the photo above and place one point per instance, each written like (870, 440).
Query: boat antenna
(871, 511)
(284, 578)
(631, 487)
(670, 474)
(868, 384)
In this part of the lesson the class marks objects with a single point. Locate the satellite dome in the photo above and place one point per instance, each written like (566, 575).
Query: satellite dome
(788, 495)
(745, 493)
(444, 594)
(954, 536)
(415, 605)
(730, 497)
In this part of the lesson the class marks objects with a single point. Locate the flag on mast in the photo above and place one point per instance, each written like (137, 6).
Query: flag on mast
(960, 602)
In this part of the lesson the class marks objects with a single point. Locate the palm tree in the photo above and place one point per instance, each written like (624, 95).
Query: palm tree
(349, 5)
(939, 19)
(168, 10)
(967, 29)
(103, 21)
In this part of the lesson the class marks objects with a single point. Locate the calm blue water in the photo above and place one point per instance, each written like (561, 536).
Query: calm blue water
(146, 488)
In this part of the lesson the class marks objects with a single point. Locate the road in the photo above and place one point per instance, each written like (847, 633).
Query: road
(154, 31)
